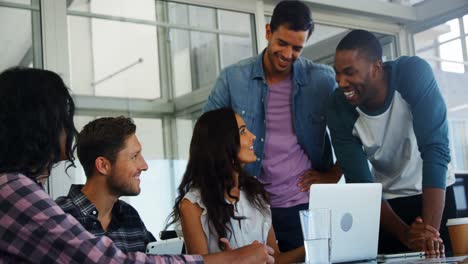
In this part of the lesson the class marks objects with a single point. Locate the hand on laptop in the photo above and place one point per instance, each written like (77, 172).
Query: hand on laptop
(424, 237)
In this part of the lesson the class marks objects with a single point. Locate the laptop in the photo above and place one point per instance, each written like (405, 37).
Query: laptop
(355, 217)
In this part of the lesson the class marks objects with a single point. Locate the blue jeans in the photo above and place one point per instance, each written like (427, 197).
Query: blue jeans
(287, 226)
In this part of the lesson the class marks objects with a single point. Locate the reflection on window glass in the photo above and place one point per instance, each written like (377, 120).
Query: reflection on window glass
(452, 29)
(202, 17)
(452, 51)
(198, 56)
(427, 39)
(389, 51)
(465, 23)
(150, 133)
(234, 21)
(202, 45)
(178, 13)
(194, 54)
(184, 136)
(111, 58)
(234, 48)
(459, 131)
(204, 59)
(451, 78)
(180, 55)
(466, 45)
(141, 9)
(325, 32)
(17, 41)
(442, 56)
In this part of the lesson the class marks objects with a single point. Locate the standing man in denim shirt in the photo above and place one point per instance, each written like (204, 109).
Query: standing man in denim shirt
(282, 99)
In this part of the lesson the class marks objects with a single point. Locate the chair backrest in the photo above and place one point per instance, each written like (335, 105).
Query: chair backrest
(167, 234)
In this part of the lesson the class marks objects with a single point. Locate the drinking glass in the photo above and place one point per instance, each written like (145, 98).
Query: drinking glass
(316, 229)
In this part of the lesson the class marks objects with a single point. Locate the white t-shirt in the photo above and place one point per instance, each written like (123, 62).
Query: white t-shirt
(254, 227)
(390, 143)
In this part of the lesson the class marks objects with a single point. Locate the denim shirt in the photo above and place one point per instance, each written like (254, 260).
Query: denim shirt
(242, 86)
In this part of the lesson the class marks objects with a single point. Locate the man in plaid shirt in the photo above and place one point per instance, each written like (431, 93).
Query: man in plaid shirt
(33, 229)
(36, 113)
(110, 154)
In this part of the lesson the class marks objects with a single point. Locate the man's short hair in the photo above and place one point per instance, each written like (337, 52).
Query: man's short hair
(366, 42)
(103, 137)
(294, 15)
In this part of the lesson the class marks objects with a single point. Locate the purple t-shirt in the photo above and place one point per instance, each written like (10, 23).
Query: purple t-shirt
(284, 160)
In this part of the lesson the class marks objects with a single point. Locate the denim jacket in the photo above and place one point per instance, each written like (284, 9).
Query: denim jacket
(242, 86)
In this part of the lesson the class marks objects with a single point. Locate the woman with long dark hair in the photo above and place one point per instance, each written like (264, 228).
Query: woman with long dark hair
(219, 205)
(36, 131)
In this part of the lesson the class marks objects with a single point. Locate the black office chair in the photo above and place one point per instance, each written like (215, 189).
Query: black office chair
(167, 234)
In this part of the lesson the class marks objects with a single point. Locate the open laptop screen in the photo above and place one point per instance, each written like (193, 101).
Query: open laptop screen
(355, 210)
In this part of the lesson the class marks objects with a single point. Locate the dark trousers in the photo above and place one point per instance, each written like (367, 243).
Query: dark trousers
(287, 226)
(408, 208)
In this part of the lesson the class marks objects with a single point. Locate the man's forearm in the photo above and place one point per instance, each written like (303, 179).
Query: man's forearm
(336, 170)
(334, 173)
(392, 223)
(433, 206)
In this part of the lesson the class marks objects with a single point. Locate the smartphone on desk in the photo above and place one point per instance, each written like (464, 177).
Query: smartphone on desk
(420, 254)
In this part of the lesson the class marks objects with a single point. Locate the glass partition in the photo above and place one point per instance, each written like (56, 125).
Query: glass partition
(445, 47)
(20, 44)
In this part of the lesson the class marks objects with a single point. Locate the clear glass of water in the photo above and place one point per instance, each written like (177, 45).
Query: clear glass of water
(316, 229)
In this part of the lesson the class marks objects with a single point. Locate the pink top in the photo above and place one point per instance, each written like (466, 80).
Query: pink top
(284, 159)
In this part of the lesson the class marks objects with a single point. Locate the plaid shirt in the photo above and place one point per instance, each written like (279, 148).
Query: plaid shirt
(126, 229)
(34, 229)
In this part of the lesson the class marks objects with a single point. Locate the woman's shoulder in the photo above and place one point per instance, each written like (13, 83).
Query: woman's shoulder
(194, 197)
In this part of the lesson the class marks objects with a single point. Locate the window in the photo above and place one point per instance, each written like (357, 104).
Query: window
(234, 48)
(459, 132)
(21, 44)
(445, 48)
(215, 39)
(120, 49)
(321, 45)
(451, 52)
(443, 45)
(113, 50)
